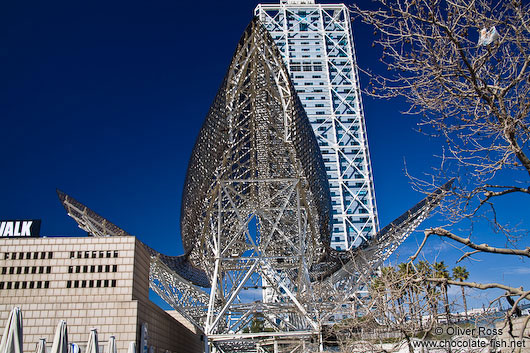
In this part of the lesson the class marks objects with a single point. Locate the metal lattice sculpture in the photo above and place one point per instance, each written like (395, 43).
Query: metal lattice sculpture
(256, 203)
(256, 214)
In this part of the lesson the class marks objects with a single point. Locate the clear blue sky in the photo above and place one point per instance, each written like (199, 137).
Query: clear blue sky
(104, 100)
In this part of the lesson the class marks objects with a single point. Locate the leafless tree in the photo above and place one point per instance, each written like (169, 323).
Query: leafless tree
(402, 309)
(463, 66)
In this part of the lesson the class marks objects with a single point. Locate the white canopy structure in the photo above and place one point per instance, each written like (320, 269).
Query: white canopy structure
(12, 337)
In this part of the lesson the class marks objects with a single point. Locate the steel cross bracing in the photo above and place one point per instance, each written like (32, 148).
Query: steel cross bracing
(316, 43)
(343, 292)
(182, 295)
(349, 283)
(256, 207)
(255, 216)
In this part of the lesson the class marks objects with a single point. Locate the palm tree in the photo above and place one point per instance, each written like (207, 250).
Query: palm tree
(405, 274)
(440, 271)
(460, 273)
(388, 275)
(425, 271)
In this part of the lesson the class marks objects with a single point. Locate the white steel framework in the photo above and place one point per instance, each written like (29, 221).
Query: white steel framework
(316, 43)
(256, 218)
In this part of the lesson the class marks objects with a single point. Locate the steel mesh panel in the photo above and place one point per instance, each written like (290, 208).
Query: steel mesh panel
(255, 128)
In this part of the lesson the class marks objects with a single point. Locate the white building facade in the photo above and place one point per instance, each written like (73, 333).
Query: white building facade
(317, 45)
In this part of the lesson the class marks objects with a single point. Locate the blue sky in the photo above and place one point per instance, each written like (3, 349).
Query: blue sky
(104, 100)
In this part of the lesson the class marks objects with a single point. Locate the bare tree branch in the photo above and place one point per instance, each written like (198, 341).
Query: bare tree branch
(483, 286)
(478, 247)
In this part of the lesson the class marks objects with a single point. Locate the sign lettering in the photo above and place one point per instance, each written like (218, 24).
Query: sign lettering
(20, 228)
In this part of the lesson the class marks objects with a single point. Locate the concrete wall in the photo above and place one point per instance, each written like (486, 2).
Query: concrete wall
(165, 333)
(114, 300)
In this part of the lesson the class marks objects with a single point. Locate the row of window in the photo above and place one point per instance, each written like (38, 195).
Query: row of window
(306, 68)
(26, 270)
(47, 269)
(91, 283)
(24, 285)
(303, 49)
(69, 284)
(92, 268)
(314, 76)
(93, 254)
(27, 255)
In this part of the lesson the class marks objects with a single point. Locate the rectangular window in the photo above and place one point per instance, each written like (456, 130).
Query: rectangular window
(4, 270)
(68, 284)
(24, 285)
(76, 284)
(107, 268)
(34, 269)
(77, 269)
(108, 253)
(87, 254)
(85, 269)
(113, 283)
(42, 255)
(6, 256)
(48, 269)
(72, 255)
(26, 269)
(92, 268)
(21, 256)
(9, 285)
(31, 285)
(17, 285)
(11, 270)
(70, 269)
(106, 283)
(47, 284)
(98, 283)
(94, 254)
(1, 285)
(50, 255)
(101, 254)
(114, 268)
(115, 253)
(14, 256)
(19, 270)
(39, 284)
(41, 269)
(83, 284)
(91, 283)
(100, 268)
(79, 254)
